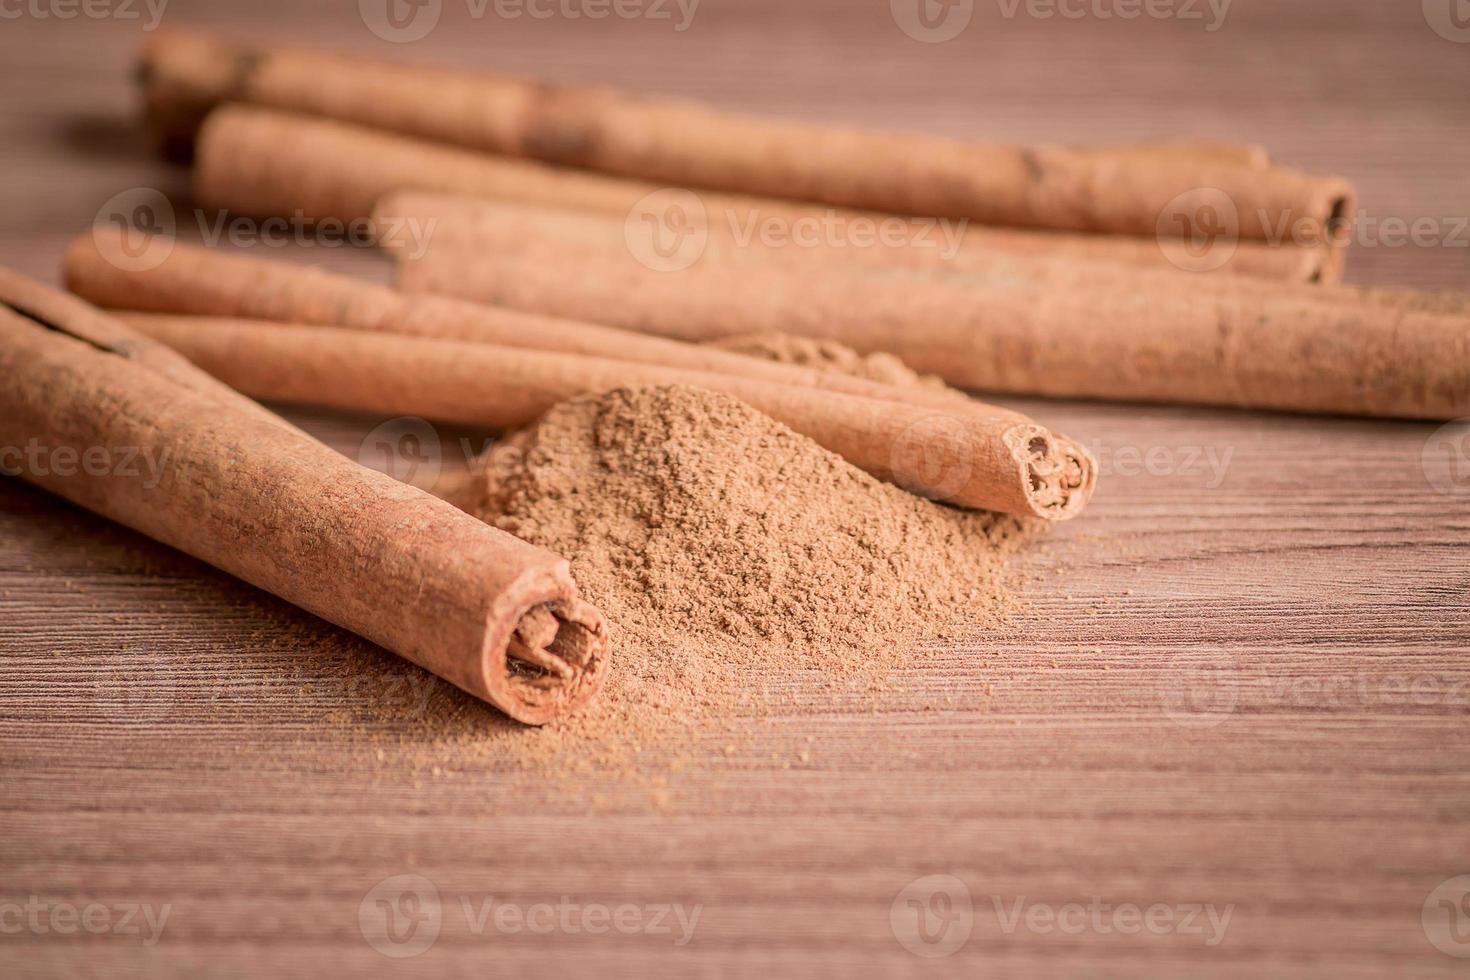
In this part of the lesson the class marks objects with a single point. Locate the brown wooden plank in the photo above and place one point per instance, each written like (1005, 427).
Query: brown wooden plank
(1239, 680)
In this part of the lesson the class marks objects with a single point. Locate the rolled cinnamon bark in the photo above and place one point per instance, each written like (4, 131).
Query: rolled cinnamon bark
(458, 224)
(186, 74)
(688, 144)
(1247, 344)
(1275, 261)
(266, 163)
(59, 311)
(1209, 150)
(461, 224)
(997, 460)
(258, 499)
(206, 283)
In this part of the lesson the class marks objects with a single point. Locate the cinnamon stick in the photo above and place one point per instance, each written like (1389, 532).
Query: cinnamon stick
(688, 144)
(1238, 343)
(186, 74)
(467, 223)
(257, 498)
(459, 223)
(56, 310)
(266, 163)
(1211, 150)
(206, 283)
(996, 461)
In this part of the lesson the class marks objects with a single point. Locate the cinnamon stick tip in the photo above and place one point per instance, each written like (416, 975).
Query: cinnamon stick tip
(81, 259)
(182, 75)
(1060, 474)
(552, 662)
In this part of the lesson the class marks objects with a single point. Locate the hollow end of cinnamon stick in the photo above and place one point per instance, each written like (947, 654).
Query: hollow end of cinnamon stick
(1060, 475)
(1010, 465)
(550, 662)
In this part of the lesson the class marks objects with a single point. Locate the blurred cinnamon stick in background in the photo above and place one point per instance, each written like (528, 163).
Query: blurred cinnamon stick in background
(255, 497)
(674, 230)
(689, 144)
(1063, 331)
(264, 163)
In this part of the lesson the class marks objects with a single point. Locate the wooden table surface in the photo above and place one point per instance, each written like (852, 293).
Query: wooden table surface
(1227, 738)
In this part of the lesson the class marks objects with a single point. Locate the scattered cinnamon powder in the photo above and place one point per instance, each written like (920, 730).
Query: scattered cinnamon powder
(829, 355)
(731, 553)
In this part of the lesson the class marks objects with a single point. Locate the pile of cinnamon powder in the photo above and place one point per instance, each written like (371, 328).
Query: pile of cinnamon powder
(729, 552)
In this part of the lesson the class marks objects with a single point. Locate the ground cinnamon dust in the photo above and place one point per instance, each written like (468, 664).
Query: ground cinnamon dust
(830, 356)
(732, 555)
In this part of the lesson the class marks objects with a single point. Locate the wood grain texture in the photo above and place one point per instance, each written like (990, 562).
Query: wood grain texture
(1240, 680)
